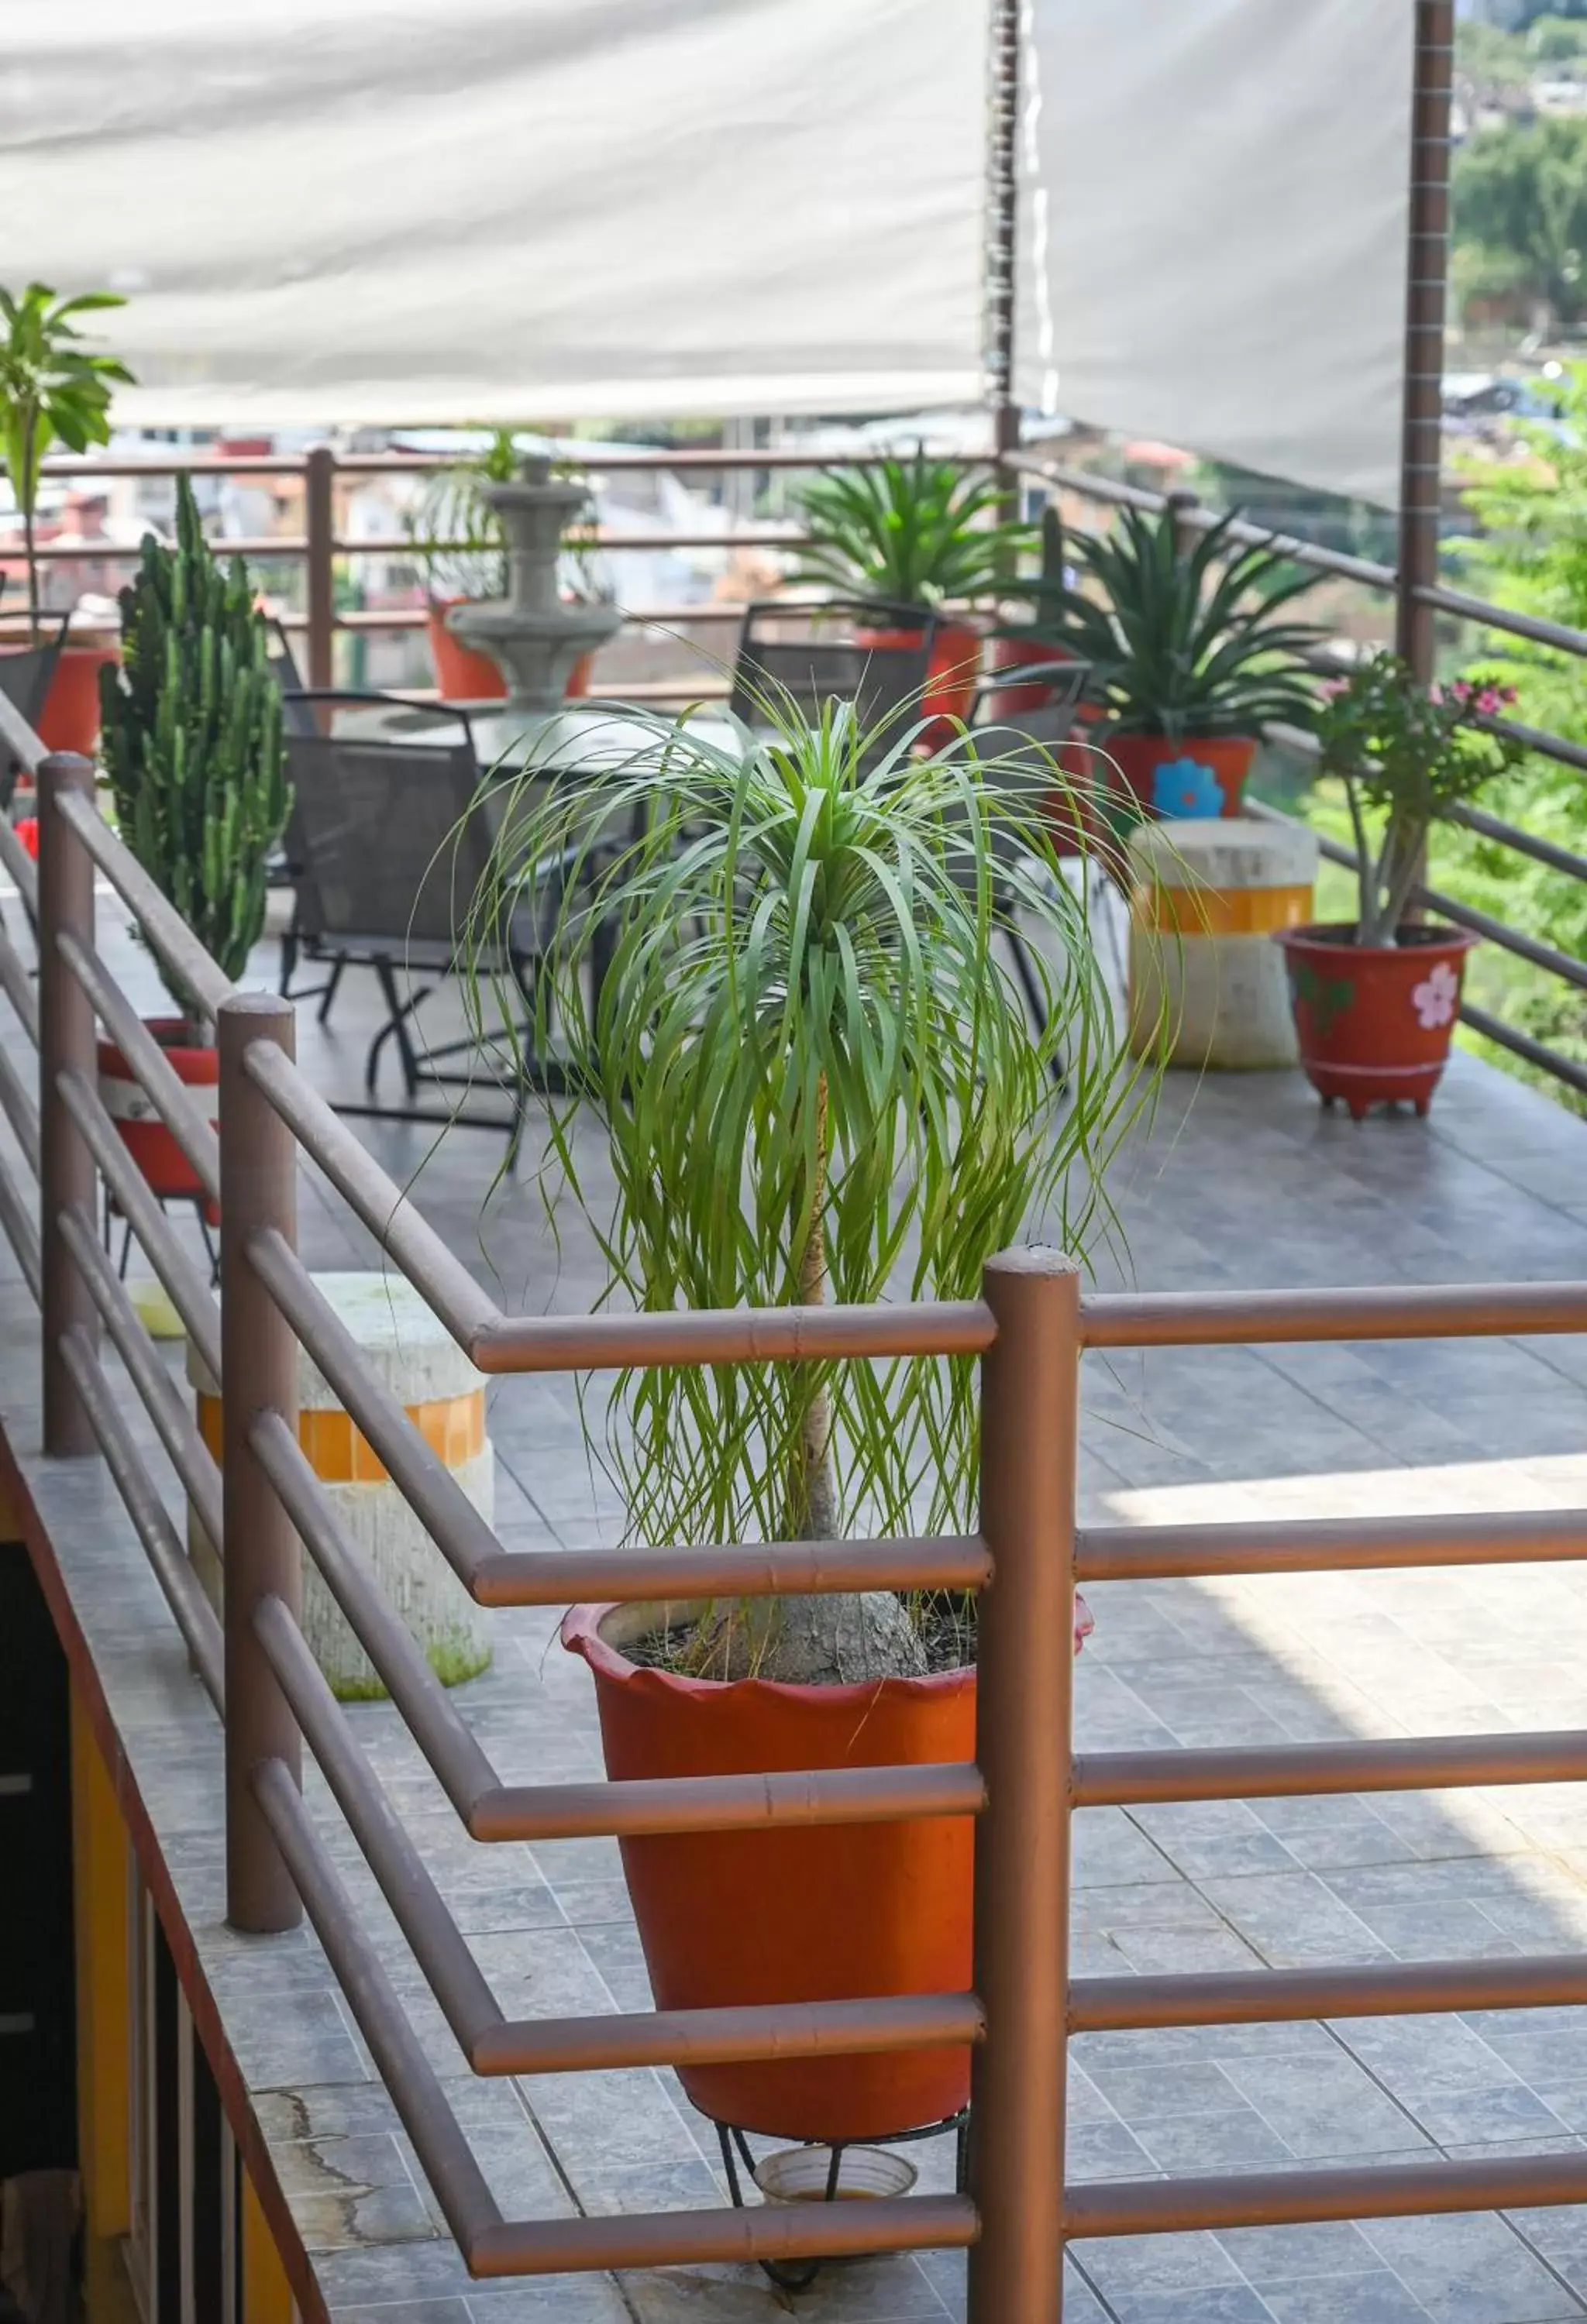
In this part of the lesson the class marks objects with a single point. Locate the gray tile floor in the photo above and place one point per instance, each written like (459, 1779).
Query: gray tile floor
(1242, 1181)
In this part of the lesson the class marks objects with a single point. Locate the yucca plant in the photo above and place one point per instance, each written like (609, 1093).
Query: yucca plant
(193, 744)
(906, 534)
(1188, 643)
(817, 1078)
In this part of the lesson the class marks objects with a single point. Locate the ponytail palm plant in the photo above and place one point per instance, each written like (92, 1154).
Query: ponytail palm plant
(818, 1079)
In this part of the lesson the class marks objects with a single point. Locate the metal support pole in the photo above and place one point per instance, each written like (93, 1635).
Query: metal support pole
(1002, 240)
(319, 524)
(1030, 1383)
(1426, 277)
(66, 1177)
(260, 1553)
(1182, 506)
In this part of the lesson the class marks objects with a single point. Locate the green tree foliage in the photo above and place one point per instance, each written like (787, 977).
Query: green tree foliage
(1520, 197)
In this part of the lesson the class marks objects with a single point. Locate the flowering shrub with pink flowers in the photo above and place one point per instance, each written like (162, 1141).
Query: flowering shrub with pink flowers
(1407, 755)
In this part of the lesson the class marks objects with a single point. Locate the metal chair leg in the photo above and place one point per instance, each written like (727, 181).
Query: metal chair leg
(329, 989)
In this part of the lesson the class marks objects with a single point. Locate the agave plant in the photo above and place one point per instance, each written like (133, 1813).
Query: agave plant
(816, 1077)
(907, 532)
(1191, 641)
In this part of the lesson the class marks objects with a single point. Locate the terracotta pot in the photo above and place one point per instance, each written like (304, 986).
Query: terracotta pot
(152, 1148)
(578, 678)
(836, 1911)
(69, 720)
(1198, 776)
(462, 674)
(1375, 1021)
(953, 670)
(1021, 653)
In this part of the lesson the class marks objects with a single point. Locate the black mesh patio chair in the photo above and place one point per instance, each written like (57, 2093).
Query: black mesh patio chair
(396, 838)
(837, 650)
(25, 679)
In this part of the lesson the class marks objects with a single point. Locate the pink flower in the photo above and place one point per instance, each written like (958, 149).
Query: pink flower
(1460, 691)
(1438, 997)
(1333, 687)
(1489, 701)
(1435, 695)
(1508, 693)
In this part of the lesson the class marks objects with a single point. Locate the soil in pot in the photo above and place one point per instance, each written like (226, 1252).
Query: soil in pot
(828, 1912)
(169, 1174)
(1201, 776)
(1375, 1021)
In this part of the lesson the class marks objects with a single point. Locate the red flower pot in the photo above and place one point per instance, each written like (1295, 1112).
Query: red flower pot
(1375, 1021)
(1200, 776)
(1021, 653)
(462, 674)
(953, 670)
(169, 1174)
(70, 719)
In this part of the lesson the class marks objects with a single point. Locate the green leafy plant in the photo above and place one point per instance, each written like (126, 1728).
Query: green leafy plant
(1052, 619)
(53, 389)
(192, 741)
(817, 1078)
(1188, 641)
(1520, 190)
(1408, 755)
(458, 535)
(906, 533)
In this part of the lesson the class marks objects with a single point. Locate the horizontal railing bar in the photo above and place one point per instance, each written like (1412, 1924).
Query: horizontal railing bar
(698, 2037)
(223, 546)
(1501, 617)
(434, 1937)
(197, 464)
(156, 1076)
(444, 2153)
(634, 2240)
(1271, 2199)
(1302, 1770)
(1568, 1070)
(423, 1478)
(639, 457)
(18, 986)
(1524, 843)
(1207, 1319)
(167, 932)
(17, 1104)
(389, 544)
(14, 856)
(1537, 738)
(189, 1292)
(732, 1335)
(180, 1584)
(20, 1230)
(454, 1756)
(163, 1400)
(436, 1273)
(1309, 1544)
(750, 1570)
(787, 1799)
(1266, 1996)
(1498, 932)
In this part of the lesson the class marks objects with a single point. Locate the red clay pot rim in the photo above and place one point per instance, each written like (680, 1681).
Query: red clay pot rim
(580, 1634)
(1332, 935)
(161, 1027)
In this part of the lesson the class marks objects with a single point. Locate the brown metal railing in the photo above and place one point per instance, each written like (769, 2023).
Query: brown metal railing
(265, 1508)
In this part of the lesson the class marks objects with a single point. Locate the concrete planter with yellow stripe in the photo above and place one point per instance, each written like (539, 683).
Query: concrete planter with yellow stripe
(412, 1356)
(1207, 898)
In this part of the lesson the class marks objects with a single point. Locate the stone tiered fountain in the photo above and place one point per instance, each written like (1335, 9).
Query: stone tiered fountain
(533, 638)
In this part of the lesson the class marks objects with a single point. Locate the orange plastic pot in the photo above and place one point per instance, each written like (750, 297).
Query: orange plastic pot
(69, 720)
(953, 672)
(462, 674)
(1203, 775)
(831, 1912)
(169, 1174)
(1374, 1022)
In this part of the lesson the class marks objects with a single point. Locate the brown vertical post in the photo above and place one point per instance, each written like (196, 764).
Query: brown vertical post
(260, 1553)
(1426, 277)
(1182, 507)
(319, 524)
(1030, 1381)
(66, 1176)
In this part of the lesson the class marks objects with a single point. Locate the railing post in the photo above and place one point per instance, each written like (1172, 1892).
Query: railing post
(319, 524)
(260, 1553)
(1426, 278)
(1182, 508)
(66, 1176)
(1030, 1381)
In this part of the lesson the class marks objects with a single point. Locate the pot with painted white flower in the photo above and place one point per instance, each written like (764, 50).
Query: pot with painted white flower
(1376, 998)
(1375, 1021)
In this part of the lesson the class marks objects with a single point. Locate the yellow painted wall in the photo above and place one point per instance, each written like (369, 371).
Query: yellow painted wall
(267, 2297)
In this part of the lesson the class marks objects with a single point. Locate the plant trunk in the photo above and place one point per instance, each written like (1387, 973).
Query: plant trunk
(31, 556)
(815, 1493)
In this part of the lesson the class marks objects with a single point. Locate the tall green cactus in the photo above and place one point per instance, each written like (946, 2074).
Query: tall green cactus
(192, 739)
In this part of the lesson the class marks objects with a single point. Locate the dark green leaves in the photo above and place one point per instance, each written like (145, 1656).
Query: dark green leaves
(52, 389)
(907, 532)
